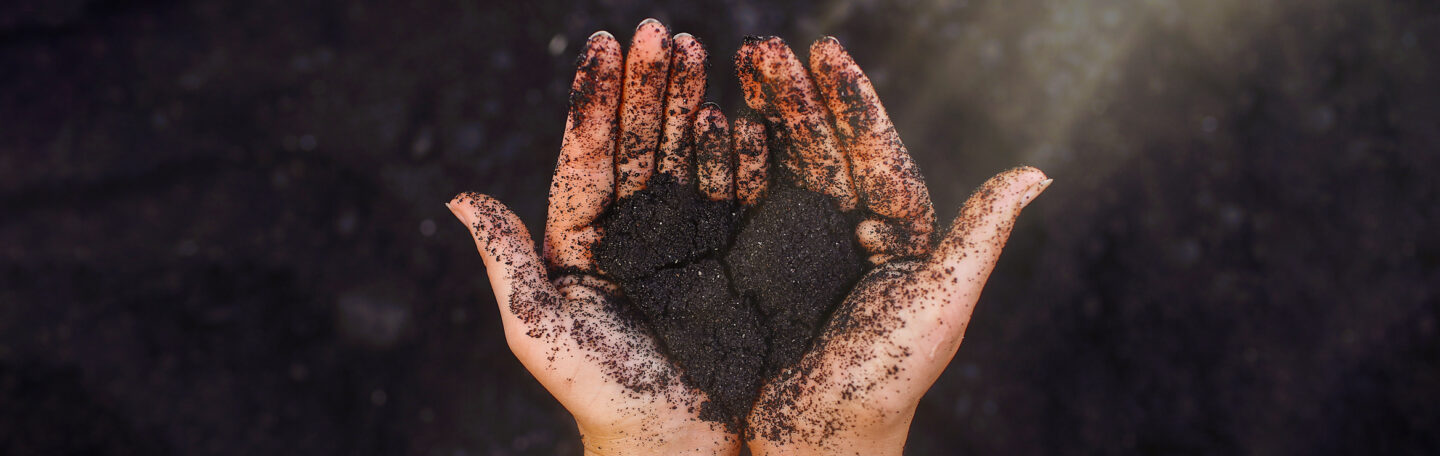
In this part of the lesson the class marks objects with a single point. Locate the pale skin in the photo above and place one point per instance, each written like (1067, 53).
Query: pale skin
(856, 391)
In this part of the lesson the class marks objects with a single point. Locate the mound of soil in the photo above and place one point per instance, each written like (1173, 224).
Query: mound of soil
(732, 299)
(795, 258)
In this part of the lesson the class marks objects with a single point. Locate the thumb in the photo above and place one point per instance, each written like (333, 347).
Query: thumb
(516, 272)
(967, 254)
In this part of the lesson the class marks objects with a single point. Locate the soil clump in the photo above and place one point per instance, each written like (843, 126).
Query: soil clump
(795, 258)
(733, 300)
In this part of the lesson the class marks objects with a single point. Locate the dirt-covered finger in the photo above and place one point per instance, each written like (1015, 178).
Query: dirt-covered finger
(886, 178)
(752, 157)
(642, 105)
(584, 180)
(683, 95)
(785, 94)
(966, 255)
(517, 275)
(714, 159)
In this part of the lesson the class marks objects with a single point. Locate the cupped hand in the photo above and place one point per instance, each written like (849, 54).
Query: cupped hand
(559, 314)
(856, 390)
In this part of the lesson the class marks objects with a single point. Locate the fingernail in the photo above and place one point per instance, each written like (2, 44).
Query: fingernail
(1035, 191)
(599, 34)
(648, 20)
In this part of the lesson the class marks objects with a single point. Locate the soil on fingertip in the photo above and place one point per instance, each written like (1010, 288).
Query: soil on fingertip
(733, 295)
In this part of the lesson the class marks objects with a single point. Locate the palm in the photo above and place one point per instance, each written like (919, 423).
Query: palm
(857, 388)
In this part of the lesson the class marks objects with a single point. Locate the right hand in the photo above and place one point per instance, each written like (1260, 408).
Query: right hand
(856, 390)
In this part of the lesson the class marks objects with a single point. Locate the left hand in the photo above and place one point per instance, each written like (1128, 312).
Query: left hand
(564, 325)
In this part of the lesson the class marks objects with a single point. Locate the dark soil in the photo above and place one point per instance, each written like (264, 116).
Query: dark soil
(731, 324)
(714, 335)
(664, 226)
(796, 259)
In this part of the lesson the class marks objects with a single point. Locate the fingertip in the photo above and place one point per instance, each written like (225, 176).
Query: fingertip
(710, 113)
(651, 29)
(481, 214)
(456, 200)
(601, 42)
(774, 59)
(1024, 182)
(751, 81)
(458, 204)
(1009, 190)
(825, 45)
(984, 223)
(688, 46)
(827, 55)
(600, 35)
(600, 54)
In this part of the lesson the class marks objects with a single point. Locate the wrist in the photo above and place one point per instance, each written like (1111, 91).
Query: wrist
(682, 446)
(883, 437)
(884, 446)
(697, 439)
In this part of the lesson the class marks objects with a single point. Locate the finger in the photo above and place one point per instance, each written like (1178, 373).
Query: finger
(751, 157)
(714, 158)
(584, 179)
(886, 179)
(516, 273)
(886, 241)
(682, 97)
(787, 97)
(752, 85)
(641, 106)
(964, 258)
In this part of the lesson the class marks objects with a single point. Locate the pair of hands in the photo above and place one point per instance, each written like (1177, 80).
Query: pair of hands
(634, 116)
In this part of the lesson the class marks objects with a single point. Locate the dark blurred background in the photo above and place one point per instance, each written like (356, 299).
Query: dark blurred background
(222, 231)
